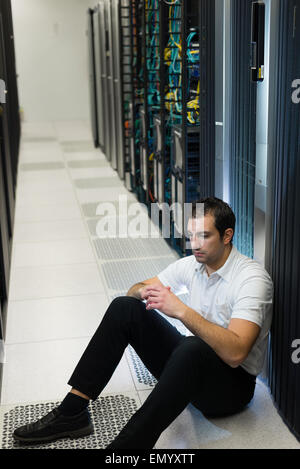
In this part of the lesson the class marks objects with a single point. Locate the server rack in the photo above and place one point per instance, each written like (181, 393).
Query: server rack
(106, 77)
(106, 29)
(92, 76)
(5, 142)
(12, 99)
(99, 76)
(191, 100)
(110, 86)
(177, 127)
(116, 66)
(164, 62)
(103, 46)
(5, 256)
(9, 129)
(162, 121)
(243, 128)
(152, 95)
(284, 365)
(132, 88)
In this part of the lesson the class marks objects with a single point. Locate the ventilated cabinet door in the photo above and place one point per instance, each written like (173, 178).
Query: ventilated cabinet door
(4, 141)
(285, 334)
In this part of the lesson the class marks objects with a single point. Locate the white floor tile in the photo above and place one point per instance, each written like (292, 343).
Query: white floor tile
(37, 157)
(39, 146)
(55, 318)
(42, 188)
(52, 281)
(62, 196)
(40, 371)
(257, 427)
(44, 150)
(45, 177)
(84, 156)
(102, 195)
(81, 173)
(38, 129)
(49, 213)
(53, 253)
(49, 231)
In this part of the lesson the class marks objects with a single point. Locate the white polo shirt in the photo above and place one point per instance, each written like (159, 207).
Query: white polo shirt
(241, 288)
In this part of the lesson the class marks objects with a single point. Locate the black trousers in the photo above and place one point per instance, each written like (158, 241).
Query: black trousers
(187, 370)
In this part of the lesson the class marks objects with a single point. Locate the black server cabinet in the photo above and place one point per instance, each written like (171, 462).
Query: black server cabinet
(116, 64)
(192, 103)
(104, 112)
(5, 142)
(285, 333)
(92, 76)
(5, 253)
(5, 238)
(243, 128)
(131, 72)
(100, 75)
(12, 99)
(110, 86)
(9, 130)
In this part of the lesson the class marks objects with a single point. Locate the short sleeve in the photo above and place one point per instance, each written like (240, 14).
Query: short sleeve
(253, 299)
(177, 275)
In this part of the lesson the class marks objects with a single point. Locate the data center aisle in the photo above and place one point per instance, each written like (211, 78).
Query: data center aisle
(63, 278)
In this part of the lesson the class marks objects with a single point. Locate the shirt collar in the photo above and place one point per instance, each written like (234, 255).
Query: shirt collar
(225, 270)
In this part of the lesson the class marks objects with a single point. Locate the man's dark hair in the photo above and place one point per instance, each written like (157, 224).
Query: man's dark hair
(221, 211)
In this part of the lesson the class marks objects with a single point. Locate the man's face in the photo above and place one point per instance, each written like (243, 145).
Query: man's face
(207, 246)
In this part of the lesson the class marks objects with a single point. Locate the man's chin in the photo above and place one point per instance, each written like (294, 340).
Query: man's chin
(200, 258)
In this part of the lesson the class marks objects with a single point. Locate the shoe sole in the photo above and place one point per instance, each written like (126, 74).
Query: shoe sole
(73, 434)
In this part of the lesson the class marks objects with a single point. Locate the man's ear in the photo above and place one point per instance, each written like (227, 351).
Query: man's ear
(228, 235)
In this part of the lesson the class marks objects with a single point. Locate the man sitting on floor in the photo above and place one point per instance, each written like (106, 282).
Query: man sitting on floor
(215, 367)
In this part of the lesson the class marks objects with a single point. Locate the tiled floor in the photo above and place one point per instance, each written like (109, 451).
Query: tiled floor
(63, 278)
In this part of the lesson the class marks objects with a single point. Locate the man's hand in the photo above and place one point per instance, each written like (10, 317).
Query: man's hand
(161, 298)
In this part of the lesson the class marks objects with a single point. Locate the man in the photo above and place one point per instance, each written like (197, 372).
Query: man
(214, 368)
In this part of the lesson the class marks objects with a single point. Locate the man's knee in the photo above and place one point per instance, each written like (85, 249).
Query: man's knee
(123, 304)
(121, 300)
(193, 347)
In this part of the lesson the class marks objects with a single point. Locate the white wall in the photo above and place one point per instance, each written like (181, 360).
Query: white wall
(52, 58)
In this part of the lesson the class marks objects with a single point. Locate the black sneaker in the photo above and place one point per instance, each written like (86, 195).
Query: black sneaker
(55, 425)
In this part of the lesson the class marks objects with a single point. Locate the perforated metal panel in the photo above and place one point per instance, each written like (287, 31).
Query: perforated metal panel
(122, 275)
(132, 248)
(109, 414)
(142, 374)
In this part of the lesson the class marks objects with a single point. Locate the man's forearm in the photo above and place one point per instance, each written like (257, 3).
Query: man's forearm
(225, 343)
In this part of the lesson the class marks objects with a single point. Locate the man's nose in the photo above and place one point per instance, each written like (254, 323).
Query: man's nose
(196, 242)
